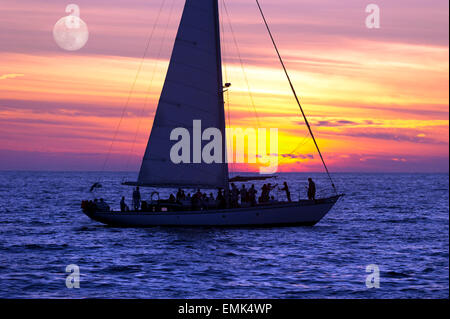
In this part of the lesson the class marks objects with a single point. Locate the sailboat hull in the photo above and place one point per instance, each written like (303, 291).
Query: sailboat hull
(305, 213)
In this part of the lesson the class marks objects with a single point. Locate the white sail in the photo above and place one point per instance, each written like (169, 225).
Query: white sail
(192, 90)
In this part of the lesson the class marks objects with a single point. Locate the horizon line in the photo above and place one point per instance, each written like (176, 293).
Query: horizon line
(295, 172)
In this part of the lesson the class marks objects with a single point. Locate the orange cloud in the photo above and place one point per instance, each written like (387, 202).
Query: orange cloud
(10, 76)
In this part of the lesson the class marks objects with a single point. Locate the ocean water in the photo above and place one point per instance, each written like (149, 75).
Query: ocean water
(399, 222)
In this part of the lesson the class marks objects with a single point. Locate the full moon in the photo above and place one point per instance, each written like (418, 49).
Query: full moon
(70, 38)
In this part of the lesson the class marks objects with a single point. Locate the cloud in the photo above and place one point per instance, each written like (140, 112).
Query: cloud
(289, 156)
(398, 135)
(340, 123)
(78, 109)
(387, 163)
(10, 76)
(298, 156)
(335, 123)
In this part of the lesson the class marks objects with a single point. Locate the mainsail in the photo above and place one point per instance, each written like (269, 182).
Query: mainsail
(192, 90)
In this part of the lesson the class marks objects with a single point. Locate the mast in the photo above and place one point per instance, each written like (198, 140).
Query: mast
(221, 105)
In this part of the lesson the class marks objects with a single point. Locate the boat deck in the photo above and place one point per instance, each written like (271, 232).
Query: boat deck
(165, 207)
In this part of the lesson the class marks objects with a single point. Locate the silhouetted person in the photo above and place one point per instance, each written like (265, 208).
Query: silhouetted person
(136, 199)
(264, 194)
(179, 195)
(311, 189)
(288, 193)
(243, 194)
(102, 206)
(269, 189)
(204, 201)
(196, 200)
(234, 196)
(198, 195)
(221, 199)
(252, 195)
(88, 206)
(123, 206)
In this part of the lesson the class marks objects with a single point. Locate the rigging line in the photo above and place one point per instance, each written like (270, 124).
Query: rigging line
(163, 40)
(241, 63)
(295, 95)
(132, 88)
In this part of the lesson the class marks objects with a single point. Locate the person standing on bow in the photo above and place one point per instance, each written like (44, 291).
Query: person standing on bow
(311, 189)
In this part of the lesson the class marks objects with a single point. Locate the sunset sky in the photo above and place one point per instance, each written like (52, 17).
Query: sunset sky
(377, 99)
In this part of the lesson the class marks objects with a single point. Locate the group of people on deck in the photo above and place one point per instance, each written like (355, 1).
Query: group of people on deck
(136, 201)
(98, 205)
(246, 196)
(236, 197)
(199, 200)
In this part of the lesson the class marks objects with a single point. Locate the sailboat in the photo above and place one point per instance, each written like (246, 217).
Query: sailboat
(193, 90)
